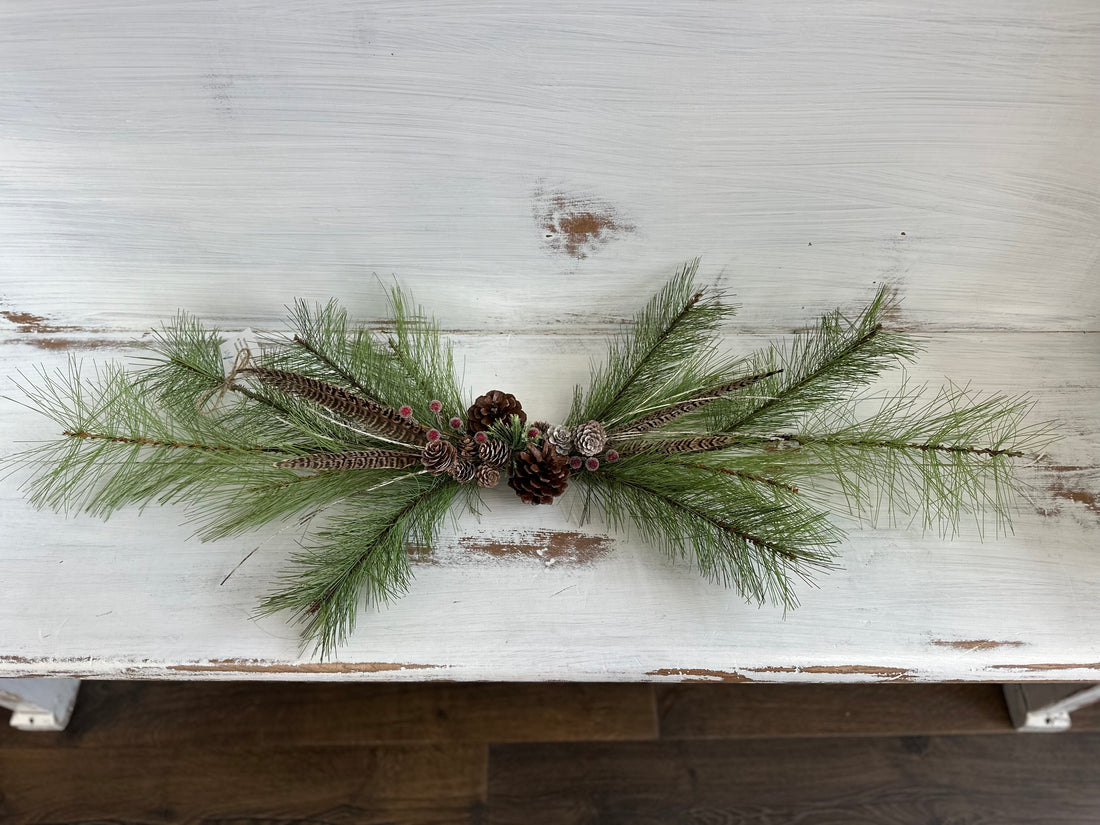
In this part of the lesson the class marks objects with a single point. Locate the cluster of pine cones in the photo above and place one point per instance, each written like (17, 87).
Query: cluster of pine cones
(539, 472)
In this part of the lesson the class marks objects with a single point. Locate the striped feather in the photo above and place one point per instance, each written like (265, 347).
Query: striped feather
(666, 415)
(377, 418)
(698, 444)
(352, 460)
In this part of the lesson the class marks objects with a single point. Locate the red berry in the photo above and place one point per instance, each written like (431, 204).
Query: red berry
(533, 432)
(481, 438)
(575, 462)
(612, 455)
(433, 434)
(456, 422)
(435, 406)
(592, 464)
(405, 412)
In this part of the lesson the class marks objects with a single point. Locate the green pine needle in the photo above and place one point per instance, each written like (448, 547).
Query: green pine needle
(737, 478)
(664, 357)
(361, 557)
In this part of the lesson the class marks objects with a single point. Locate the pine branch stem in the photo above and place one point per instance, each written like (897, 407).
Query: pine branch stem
(176, 445)
(410, 367)
(901, 445)
(863, 340)
(759, 479)
(389, 526)
(665, 333)
(725, 526)
(665, 415)
(332, 365)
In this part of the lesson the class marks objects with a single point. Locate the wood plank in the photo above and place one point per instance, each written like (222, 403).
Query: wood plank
(441, 785)
(984, 780)
(530, 594)
(233, 715)
(167, 154)
(748, 711)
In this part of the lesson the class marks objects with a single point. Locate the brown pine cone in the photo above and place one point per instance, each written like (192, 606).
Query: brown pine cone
(492, 407)
(539, 474)
(487, 476)
(589, 438)
(494, 453)
(438, 456)
(463, 471)
(542, 426)
(467, 448)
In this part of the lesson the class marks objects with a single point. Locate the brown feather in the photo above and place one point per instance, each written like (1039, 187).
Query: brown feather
(352, 460)
(375, 416)
(663, 416)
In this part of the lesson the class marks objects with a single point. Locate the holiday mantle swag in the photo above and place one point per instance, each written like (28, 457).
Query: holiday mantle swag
(731, 462)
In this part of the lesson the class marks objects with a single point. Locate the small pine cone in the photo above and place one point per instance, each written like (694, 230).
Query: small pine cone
(463, 471)
(494, 453)
(542, 426)
(492, 407)
(487, 476)
(467, 448)
(539, 474)
(562, 439)
(590, 438)
(438, 456)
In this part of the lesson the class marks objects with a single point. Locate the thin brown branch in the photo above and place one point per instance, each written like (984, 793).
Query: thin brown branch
(175, 445)
(665, 333)
(332, 365)
(806, 379)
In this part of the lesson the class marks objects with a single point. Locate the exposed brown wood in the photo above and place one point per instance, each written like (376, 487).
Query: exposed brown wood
(337, 785)
(974, 644)
(256, 666)
(700, 674)
(250, 714)
(746, 711)
(982, 780)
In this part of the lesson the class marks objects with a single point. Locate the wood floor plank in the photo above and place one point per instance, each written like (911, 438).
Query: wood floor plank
(746, 711)
(393, 784)
(250, 714)
(979, 780)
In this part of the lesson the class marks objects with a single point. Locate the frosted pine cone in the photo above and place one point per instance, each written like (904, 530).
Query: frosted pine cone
(562, 439)
(492, 407)
(590, 438)
(494, 453)
(538, 475)
(487, 476)
(463, 471)
(438, 456)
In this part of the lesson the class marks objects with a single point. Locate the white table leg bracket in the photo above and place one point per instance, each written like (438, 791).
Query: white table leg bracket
(1045, 708)
(39, 704)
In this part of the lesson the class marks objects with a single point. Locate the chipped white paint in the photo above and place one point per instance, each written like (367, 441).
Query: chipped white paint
(531, 172)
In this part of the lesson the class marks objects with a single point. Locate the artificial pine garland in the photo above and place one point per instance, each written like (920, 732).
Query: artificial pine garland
(726, 461)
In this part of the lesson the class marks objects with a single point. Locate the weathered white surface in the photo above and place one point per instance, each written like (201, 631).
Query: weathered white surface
(535, 171)
(521, 596)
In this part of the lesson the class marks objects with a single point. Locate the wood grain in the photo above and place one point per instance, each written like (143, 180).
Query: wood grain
(418, 785)
(996, 780)
(242, 715)
(227, 159)
(748, 711)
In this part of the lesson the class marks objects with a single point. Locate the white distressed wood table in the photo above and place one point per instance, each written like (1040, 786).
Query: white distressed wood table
(532, 172)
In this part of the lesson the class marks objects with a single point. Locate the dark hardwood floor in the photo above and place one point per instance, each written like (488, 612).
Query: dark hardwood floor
(239, 753)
